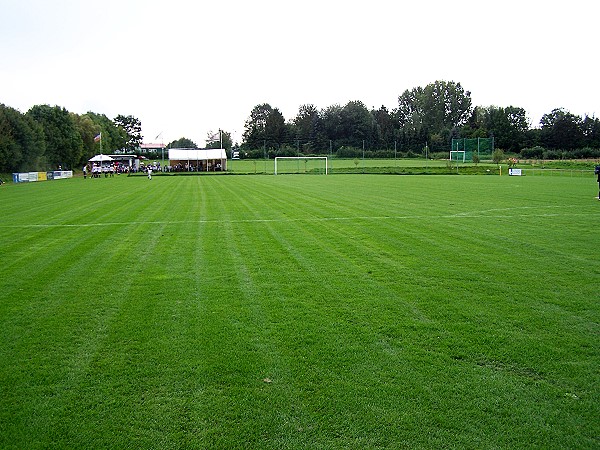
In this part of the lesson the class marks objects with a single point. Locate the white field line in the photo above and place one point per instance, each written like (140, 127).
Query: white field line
(497, 213)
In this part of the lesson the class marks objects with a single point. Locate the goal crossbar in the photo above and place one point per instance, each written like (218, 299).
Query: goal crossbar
(457, 153)
(277, 158)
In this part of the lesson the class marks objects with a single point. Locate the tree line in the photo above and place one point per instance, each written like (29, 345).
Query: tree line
(46, 137)
(425, 116)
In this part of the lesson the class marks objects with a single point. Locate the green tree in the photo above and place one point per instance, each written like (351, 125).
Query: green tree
(254, 129)
(331, 125)
(276, 132)
(508, 126)
(225, 141)
(357, 125)
(439, 108)
(385, 128)
(266, 126)
(22, 143)
(476, 124)
(306, 126)
(498, 156)
(112, 137)
(10, 153)
(87, 130)
(446, 105)
(591, 132)
(132, 128)
(410, 112)
(182, 142)
(64, 146)
(561, 130)
(518, 125)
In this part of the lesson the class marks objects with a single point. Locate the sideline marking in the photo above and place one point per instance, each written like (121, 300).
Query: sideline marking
(462, 215)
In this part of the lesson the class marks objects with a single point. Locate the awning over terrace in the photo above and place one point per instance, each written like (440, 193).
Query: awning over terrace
(201, 159)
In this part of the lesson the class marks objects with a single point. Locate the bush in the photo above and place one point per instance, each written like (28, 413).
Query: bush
(438, 155)
(536, 152)
(498, 156)
(555, 154)
(586, 153)
(349, 152)
(541, 153)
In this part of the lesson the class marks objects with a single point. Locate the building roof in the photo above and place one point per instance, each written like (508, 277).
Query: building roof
(146, 146)
(196, 154)
(123, 157)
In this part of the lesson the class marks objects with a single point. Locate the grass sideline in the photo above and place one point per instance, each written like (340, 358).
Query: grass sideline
(300, 312)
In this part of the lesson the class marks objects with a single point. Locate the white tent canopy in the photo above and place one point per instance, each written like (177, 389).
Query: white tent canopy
(207, 158)
(197, 154)
(100, 158)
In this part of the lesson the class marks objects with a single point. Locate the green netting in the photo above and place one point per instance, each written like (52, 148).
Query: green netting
(312, 165)
(484, 147)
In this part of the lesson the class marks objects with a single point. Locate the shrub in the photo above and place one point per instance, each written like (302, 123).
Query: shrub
(438, 155)
(536, 152)
(498, 156)
(555, 154)
(586, 153)
(348, 152)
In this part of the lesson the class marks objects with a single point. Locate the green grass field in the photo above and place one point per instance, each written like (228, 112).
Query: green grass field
(342, 311)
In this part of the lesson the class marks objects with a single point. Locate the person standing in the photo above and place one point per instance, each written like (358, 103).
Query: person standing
(149, 172)
(84, 172)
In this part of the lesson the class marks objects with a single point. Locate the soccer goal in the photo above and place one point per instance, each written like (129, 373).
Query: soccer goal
(458, 155)
(301, 164)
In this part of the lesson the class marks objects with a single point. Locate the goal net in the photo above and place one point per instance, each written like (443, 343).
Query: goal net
(458, 155)
(301, 164)
(464, 149)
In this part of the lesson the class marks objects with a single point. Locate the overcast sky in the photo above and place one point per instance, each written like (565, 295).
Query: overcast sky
(185, 68)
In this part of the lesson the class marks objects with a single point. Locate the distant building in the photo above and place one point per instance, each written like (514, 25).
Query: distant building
(152, 148)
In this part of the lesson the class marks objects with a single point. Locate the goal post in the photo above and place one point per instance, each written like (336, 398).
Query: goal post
(457, 155)
(301, 164)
